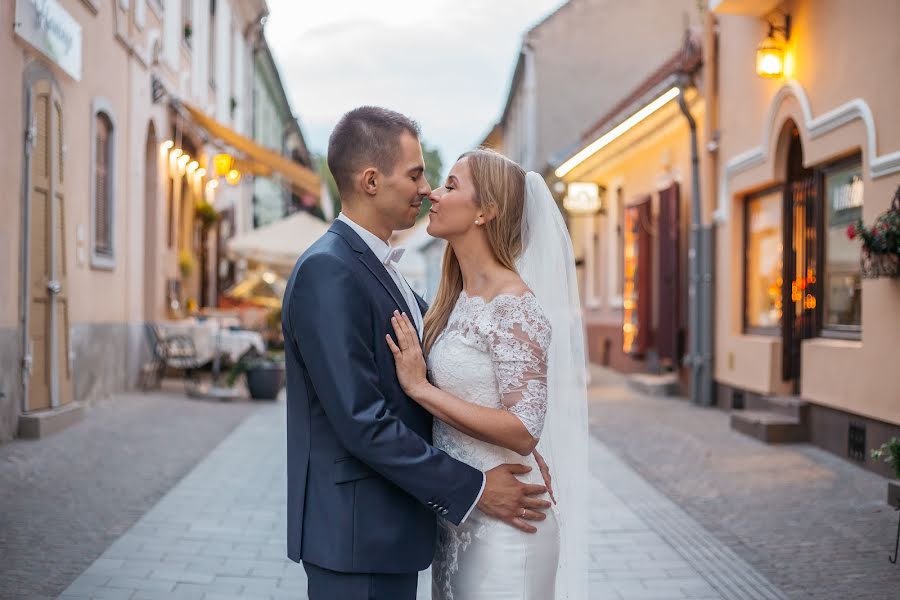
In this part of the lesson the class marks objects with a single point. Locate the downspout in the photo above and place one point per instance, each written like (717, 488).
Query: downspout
(699, 357)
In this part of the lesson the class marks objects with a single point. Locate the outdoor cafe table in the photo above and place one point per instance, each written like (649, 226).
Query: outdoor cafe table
(211, 340)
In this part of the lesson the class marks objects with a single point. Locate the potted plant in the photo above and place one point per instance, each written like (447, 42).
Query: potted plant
(890, 452)
(206, 214)
(881, 242)
(186, 263)
(264, 375)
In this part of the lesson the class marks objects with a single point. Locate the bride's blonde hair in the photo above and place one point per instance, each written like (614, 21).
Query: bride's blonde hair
(499, 183)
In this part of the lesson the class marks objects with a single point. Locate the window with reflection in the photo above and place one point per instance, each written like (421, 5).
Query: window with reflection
(764, 255)
(843, 290)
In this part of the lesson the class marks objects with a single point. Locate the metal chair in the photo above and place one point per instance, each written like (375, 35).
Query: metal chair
(175, 351)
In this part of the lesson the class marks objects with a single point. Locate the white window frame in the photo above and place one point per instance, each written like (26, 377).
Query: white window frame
(103, 106)
(614, 294)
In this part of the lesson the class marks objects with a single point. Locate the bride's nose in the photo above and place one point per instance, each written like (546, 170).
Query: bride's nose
(435, 195)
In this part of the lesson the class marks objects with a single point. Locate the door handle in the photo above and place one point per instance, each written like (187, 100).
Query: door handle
(54, 287)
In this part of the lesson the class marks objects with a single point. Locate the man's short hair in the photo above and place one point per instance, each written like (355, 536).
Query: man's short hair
(366, 136)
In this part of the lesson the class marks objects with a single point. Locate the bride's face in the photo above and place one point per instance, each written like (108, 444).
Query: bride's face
(454, 209)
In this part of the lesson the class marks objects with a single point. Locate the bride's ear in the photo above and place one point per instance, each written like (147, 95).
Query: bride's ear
(488, 214)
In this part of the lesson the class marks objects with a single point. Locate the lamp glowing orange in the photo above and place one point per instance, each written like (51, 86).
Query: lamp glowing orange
(770, 58)
(233, 177)
(223, 163)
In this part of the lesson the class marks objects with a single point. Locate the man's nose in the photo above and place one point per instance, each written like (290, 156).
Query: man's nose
(425, 188)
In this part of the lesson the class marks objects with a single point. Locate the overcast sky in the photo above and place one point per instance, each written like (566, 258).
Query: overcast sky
(446, 63)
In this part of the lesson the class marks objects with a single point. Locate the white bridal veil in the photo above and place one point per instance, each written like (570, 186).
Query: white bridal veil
(547, 265)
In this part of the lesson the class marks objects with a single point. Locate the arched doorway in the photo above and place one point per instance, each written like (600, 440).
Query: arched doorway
(800, 283)
(152, 297)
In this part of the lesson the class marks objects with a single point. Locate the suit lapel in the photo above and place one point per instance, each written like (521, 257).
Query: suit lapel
(371, 261)
(374, 265)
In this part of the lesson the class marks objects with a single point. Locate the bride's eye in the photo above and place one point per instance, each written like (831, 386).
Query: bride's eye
(448, 187)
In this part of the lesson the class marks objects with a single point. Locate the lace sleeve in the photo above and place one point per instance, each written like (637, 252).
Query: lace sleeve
(518, 347)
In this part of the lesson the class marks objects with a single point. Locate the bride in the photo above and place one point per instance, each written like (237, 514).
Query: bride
(504, 377)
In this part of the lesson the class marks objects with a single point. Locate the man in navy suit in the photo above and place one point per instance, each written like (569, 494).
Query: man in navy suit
(365, 485)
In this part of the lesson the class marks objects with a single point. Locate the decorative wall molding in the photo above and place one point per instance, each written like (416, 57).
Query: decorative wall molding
(879, 166)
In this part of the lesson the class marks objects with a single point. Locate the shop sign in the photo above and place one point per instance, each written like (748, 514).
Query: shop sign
(45, 25)
(583, 198)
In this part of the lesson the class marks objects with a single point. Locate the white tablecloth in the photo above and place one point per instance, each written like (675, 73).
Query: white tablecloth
(209, 338)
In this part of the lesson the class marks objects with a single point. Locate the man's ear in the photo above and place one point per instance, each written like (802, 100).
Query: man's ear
(370, 181)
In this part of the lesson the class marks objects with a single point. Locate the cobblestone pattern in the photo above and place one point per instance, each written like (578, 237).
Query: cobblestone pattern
(220, 534)
(815, 525)
(65, 498)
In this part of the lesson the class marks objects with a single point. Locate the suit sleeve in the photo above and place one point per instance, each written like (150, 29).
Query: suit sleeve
(331, 325)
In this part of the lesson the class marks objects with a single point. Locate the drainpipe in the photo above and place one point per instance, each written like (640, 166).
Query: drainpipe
(700, 280)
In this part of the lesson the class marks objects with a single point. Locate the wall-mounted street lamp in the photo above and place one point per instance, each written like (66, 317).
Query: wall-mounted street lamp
(583, 198)
(223, 163)
(770, 54)
(233, 177)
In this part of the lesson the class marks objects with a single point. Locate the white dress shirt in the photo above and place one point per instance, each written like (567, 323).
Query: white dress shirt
(388, 257)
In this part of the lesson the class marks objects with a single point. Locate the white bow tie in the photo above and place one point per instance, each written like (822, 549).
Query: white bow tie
(393, 256)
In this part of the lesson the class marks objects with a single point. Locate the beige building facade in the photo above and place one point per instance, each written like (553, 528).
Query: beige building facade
(100, 216)
(799, 157)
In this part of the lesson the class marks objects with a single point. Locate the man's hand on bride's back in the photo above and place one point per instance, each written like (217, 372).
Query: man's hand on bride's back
(508, 499)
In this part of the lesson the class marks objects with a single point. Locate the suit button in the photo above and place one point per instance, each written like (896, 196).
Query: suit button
(430, 503)
(444, 511)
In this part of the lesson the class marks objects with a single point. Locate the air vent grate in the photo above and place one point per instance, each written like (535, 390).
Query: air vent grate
(856, 442)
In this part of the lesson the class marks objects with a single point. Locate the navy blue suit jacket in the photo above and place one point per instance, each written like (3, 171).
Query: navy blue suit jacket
(364, 482)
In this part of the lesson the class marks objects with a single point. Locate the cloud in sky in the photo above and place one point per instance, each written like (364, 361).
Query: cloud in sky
(446, 63)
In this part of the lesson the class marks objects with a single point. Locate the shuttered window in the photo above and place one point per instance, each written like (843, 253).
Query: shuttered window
(102, 196)
(103, 188)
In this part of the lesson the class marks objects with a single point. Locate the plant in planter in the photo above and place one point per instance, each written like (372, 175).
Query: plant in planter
(890, 452)
(188, 32)
(881, 242)
(186, 263)
(206, 214)
(265, 375)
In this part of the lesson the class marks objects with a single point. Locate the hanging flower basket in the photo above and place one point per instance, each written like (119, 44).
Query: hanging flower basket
(880, 265)
(881, 242)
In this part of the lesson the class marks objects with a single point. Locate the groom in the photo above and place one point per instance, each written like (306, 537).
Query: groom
(364, 482)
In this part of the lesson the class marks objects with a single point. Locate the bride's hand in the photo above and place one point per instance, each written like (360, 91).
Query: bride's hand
(410, 361)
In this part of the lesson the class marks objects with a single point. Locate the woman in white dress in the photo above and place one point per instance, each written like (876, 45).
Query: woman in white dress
(503, 343)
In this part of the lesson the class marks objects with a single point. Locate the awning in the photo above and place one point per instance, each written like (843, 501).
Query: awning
(278, 244)
(301, 177)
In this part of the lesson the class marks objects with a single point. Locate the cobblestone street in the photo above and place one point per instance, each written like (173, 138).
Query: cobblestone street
(757, 523)
(813, 523)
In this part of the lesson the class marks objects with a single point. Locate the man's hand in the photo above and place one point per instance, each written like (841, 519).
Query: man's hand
(508, 499)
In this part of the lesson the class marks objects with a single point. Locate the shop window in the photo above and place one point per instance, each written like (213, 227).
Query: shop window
(842, 290)
(102, 186)
(764, 256)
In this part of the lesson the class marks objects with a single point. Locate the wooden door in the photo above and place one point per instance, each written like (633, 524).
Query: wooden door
(669, 330)
(50, 377)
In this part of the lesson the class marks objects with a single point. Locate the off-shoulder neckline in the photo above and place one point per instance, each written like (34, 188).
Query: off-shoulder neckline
(517, 296)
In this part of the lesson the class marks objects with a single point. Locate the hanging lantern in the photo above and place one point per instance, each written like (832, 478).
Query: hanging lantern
(233, 177)
(223, 164)
(192, 166)
(770, 58)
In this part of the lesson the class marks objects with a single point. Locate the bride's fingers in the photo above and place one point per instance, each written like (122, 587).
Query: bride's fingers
(410, 330)
(394, 349)
(400, 333)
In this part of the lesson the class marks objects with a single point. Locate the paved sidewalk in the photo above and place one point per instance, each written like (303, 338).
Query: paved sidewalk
(220, 533)
(816, 525)
(65, 498)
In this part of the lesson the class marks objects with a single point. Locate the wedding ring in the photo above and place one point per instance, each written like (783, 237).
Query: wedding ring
(523, 513)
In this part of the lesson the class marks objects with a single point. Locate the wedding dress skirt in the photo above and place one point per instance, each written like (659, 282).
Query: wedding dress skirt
(485, 356)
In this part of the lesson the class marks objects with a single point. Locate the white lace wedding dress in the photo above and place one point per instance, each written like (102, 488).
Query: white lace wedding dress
(494, 354)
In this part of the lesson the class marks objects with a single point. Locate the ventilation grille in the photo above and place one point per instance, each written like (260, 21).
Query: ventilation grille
(856, 442)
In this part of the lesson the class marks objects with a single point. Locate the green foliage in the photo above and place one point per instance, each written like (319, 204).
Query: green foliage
(883, 237)
(890, 451)
(206, 214)
(328, 178)
(433, 172)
